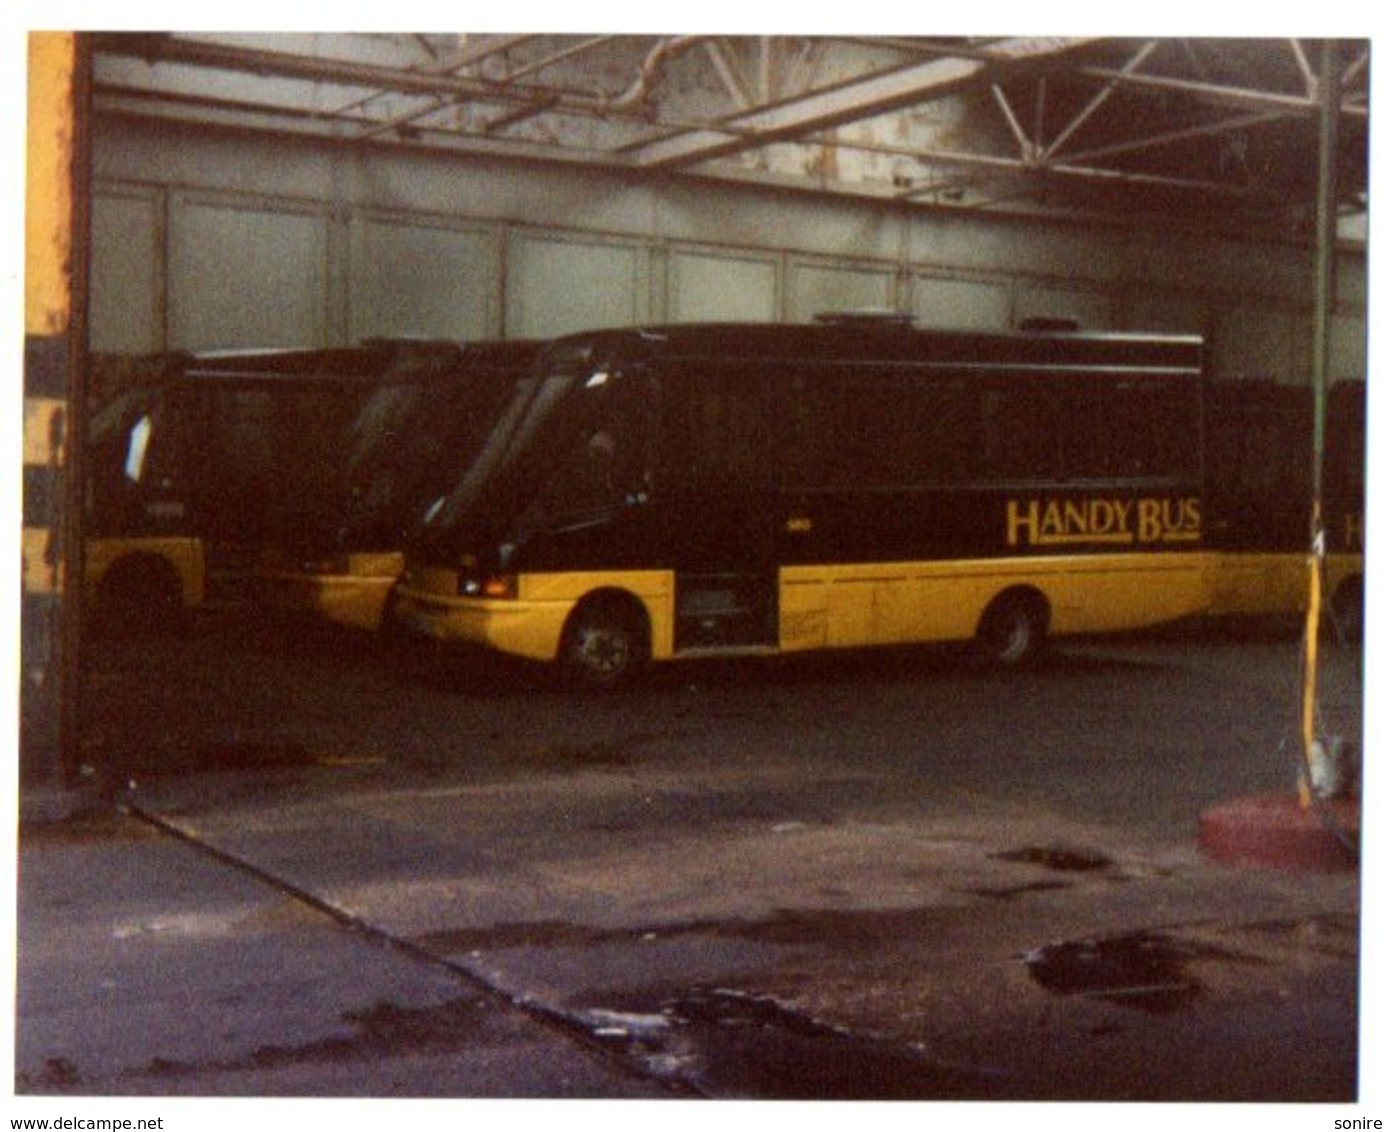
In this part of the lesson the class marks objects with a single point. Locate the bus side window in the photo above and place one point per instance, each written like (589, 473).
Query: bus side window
(1150, 431)
(812, 421)
(1346, 444)
(716, 432)
(1022, 434)
(890, 429)
(930, 432)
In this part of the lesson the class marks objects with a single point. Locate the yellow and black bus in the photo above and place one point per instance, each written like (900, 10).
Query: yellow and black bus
(197, 465)
(428, 411)
(699, 490)
(1261, 500)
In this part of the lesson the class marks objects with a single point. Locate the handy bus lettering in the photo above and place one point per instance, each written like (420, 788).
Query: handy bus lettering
(1104, 521)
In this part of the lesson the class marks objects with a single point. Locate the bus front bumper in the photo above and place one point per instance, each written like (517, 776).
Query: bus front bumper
(530, 629)
(355, 596)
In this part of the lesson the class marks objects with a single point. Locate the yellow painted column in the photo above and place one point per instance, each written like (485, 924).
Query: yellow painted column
(53, 286)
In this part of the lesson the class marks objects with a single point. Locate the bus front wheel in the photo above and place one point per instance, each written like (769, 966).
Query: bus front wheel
(605, 644)
(1013, 630)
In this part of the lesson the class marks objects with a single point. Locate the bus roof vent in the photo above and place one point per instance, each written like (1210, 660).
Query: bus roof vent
(868, 316)
(1050, 325)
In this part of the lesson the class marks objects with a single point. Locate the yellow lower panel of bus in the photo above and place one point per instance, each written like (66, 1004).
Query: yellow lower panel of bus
(183, 556)
(531, 625)
(842, 606)
(1341, 568)
(354, 600)
(1260, 585)
(903, 603)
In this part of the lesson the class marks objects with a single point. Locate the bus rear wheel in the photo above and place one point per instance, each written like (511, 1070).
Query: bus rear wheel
(1013, 630)
(605, 645)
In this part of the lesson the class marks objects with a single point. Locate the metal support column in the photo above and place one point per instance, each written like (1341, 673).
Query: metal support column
(55, 288)
(1325, 221)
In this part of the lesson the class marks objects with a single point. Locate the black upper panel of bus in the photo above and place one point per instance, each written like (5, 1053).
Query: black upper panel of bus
(888, 342)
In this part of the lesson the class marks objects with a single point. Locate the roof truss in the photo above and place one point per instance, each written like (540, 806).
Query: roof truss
(1216, 132)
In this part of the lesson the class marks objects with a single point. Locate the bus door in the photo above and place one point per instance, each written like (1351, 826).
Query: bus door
(719, 502)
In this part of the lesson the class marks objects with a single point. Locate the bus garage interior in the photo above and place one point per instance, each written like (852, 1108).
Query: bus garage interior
(218, 218)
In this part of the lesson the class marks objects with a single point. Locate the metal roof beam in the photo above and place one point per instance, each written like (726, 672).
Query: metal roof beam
(164, 48)
(448, 65)
(1132, 65)
(1241, 97)
(833, 106)
(1170, 137)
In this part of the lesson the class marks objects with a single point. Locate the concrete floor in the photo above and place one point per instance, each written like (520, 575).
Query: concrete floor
(318, 869)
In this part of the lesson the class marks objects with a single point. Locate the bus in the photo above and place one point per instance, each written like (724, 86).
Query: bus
(195, 463)
(1260, 495)
(652, 494)
(425, 415)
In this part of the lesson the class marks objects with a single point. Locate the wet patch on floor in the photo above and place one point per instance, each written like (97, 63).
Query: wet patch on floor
(1332, 934)
(1141, 971)
(830, 928)
(381, 1030)
(1056, 857)
(728, 1044)
(58, 1075)
(1011, 891)
(527, 933)
(787, 927)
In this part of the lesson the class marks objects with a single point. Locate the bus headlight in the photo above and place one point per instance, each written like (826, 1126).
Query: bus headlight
(471, 581)
(467, 580)
(498, 586)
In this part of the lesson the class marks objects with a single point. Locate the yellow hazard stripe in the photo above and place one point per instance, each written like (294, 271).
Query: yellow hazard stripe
(44, 429)
(43, 569)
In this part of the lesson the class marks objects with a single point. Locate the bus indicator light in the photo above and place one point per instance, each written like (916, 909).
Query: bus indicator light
(502, 586)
